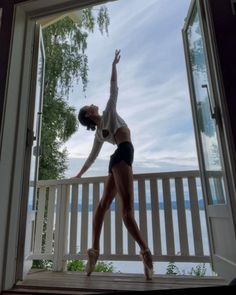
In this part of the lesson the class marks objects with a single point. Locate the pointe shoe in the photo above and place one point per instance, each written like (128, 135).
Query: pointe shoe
(146, 257)
(92, 260)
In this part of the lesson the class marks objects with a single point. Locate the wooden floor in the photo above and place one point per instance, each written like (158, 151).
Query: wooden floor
(78, 283)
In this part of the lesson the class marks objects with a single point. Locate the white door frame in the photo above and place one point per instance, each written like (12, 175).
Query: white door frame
(12, 201)
(228, 144)
(26, 233)
(222, 265)
(227, 267)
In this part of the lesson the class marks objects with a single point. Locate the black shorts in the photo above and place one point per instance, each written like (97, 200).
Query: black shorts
(125, 152)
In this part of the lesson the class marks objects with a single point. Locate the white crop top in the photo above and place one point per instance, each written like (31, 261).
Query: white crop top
(109, 124)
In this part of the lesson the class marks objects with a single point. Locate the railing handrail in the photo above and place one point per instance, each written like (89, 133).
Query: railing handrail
(96, 179)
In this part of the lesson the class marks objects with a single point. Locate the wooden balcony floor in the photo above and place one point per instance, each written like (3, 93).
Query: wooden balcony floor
(79, 283)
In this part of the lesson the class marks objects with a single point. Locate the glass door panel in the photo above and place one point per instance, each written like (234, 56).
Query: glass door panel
(204, 107)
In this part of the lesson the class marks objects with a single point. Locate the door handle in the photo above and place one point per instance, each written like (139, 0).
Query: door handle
(213, 114)
(215, 111)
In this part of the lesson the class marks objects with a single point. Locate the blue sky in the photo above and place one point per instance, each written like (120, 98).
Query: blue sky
(153, 90)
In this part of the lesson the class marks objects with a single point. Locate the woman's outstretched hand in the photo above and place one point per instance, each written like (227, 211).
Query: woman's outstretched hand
(115, 62)
(76, 176)
(117, 57)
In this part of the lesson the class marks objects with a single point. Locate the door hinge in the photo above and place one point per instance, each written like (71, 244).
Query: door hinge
(37, 150)
(30, 137)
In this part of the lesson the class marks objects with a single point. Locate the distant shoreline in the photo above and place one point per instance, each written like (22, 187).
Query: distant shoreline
(148, 206)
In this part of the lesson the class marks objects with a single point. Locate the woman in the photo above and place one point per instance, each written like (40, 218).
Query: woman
(112, 128)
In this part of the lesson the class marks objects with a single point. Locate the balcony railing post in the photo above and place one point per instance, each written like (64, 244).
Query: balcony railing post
(61, 228)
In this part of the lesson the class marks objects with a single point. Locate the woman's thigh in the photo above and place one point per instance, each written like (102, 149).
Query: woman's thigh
(123, 177)
(109, 192)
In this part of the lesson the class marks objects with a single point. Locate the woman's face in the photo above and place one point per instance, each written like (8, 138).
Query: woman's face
(91, 110)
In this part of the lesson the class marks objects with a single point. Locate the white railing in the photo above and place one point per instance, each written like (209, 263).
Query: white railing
(166, 210)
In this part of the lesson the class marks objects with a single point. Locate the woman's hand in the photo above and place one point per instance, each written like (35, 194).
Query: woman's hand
(117, 57)
(76, 176)
(115, 62)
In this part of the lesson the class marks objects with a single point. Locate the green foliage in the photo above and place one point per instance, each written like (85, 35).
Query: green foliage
(42, 264)
(103, 20)
(199, 270)
(79, 265)
(65, 45)
(172, 269)
(76, 265)
(104, 267)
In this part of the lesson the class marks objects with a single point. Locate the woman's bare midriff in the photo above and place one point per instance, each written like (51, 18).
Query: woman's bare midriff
(122, 134)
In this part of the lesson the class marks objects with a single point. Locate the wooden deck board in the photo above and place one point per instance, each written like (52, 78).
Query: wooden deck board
(103, 282)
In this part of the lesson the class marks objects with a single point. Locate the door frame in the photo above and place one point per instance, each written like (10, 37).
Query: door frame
(219, 94)
(194, 113)
(14, 162)
(223, 127)
(227, 141)
(32, 134)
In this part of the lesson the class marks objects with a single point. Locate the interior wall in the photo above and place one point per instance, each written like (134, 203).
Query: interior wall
(225, 29)
(5, 40)
(0, 18)
(5, 37)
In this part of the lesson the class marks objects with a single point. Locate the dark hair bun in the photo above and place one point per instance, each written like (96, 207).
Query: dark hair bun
(91, 127)
(86, 121)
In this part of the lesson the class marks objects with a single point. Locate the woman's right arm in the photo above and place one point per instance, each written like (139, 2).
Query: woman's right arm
(97, 145)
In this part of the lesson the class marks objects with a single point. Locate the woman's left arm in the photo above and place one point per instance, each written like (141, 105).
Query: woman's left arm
(111, 104)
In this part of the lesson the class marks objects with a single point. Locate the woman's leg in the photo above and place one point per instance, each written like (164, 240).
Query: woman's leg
(123, 177)
(104, 204)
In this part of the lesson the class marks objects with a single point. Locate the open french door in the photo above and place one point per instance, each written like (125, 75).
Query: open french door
(207, 116)
(33, 144)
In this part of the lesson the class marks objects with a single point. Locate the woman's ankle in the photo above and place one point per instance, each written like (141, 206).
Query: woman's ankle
(95, 249)
(144, 250)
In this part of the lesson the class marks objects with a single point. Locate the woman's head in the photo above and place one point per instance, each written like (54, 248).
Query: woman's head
(87, 115)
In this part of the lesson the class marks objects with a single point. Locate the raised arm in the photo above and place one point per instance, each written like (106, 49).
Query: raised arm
(115, 62)
(111, 104)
